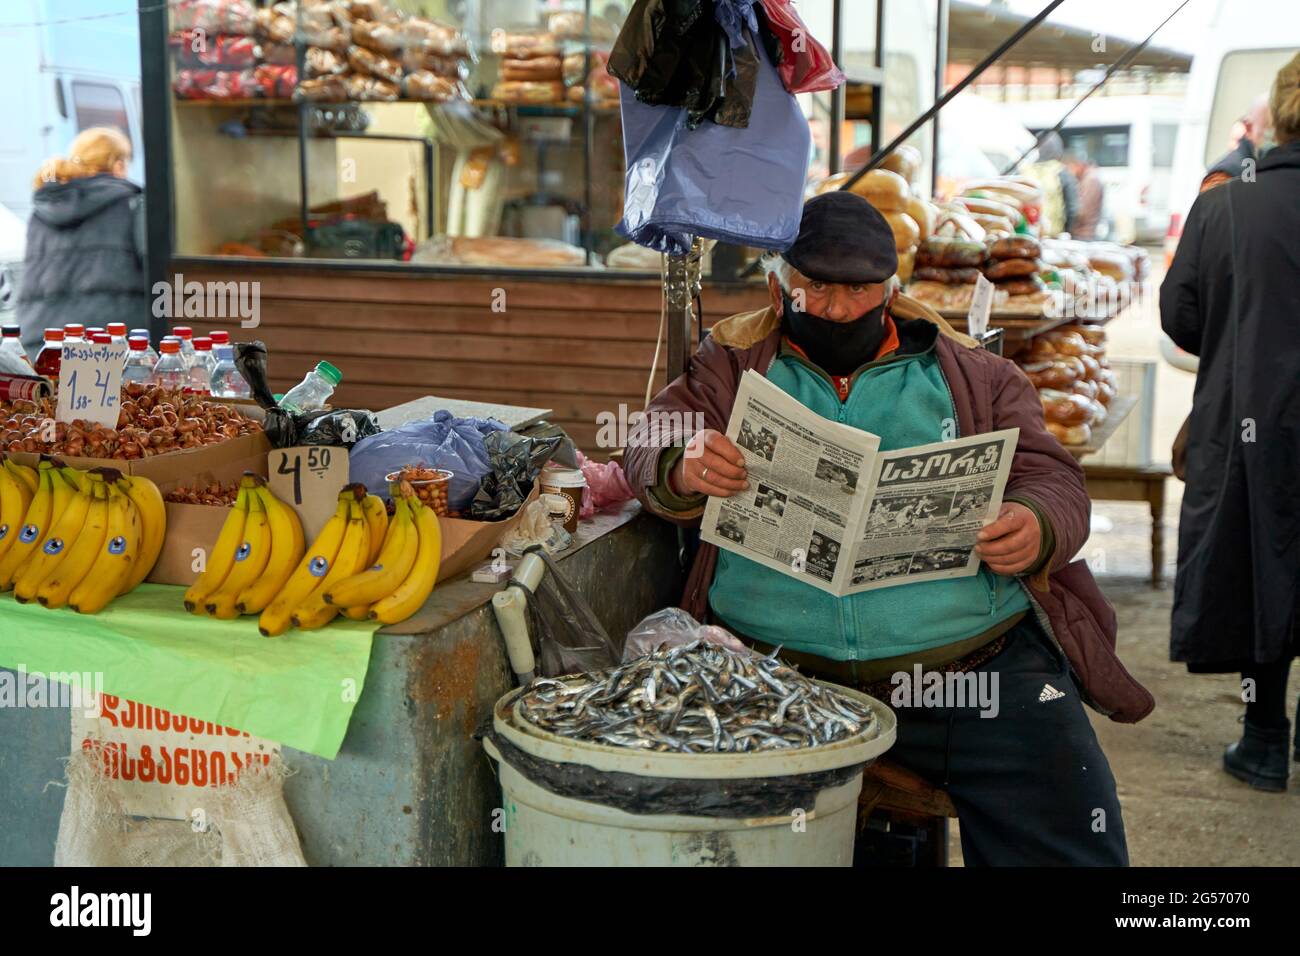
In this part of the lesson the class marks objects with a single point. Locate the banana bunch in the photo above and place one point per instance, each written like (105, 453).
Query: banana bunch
(260, 544)
(362, 565)
(76, 538)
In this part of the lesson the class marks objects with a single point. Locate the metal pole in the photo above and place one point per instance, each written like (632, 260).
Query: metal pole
(837, 94)
(877, 91)
(966, 81)
(940, 76)
(155, 98)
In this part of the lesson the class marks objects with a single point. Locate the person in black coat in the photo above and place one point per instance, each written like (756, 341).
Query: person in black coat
(1232, 297)
(85, 256)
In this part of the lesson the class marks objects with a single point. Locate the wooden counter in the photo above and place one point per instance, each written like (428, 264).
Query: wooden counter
(578, 346)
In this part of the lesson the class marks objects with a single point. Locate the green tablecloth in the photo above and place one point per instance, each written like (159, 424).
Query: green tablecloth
(297, 689)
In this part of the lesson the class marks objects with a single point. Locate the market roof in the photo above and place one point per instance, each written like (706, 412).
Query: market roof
(975, 29)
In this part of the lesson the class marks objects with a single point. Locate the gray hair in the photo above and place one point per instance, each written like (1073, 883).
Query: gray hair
(774, 263)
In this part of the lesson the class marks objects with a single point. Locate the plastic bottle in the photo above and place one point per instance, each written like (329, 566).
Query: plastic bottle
(314, 390)
(170, 372)
(93, 331)
(12, 344)
(186, 335)
(219, 337)
(118, 332)
(138, 367)
(74, 333)
(204, 364)
(100, 338)
(50, 357)
(226, 380)
(148, 349)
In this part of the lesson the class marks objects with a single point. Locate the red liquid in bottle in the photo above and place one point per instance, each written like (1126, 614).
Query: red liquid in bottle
(50, 358)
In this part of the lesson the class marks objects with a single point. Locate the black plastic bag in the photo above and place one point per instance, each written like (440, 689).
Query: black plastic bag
(340, 427)
(569, 638)
(516, 462)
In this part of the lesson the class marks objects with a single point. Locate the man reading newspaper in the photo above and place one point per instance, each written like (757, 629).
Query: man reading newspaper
(1030, 629)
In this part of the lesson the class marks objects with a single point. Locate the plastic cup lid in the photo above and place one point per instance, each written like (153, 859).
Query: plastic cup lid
(329, 372)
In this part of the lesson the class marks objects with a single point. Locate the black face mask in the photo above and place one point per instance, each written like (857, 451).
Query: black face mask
(838, 348)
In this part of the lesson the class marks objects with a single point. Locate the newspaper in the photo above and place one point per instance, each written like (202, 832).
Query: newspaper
(827, 507)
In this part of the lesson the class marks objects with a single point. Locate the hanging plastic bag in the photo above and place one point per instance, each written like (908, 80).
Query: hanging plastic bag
(569, 638)
(672, 627)
(442, 441)
(806, 66)
(743, 186)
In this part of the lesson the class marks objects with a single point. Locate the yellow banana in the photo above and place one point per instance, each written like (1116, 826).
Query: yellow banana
(57, 586)
(415, 590)
(24, 474)
(32, 533)
(76, 477)
(384, 576)
(65, 490)
(286, 551)
(64, 530)
(112, 567)
(376, 514)
(15, 499)
(313, 612)
(315, 565)
(221, 558)
(148, 500)
(250, 562)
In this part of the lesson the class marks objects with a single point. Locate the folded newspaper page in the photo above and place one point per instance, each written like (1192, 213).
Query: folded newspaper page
(827, 507)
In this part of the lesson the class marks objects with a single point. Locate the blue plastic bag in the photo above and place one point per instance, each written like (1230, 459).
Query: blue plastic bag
(442, 441)
(743, 186)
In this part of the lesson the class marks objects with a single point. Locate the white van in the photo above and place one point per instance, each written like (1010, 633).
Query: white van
(1243, 48)
(57, 80)
(1131, 139)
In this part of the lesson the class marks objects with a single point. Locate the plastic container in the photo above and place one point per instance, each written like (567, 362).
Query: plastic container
(171, 372)
(314, 390)
(543, 828)
(226, 380)
(93, 331)
(11, 344)
(99, 338)
(219, 337)
(186, 336)
(149, 350)
(138, 367)
(74, 332)
(117, 330)
(204, 365)
(432, 491)
(50, 357)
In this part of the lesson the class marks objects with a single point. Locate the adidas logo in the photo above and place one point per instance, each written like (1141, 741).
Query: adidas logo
(1049, 693)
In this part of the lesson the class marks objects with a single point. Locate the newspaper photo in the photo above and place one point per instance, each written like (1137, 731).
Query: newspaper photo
(827, 507)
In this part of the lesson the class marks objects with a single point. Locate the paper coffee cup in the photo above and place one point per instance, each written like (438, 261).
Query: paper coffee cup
(568, 482)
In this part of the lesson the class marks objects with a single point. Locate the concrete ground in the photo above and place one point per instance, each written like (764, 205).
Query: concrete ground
(1180, 808)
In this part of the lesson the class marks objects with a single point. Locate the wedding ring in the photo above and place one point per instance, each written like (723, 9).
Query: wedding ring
(704, 475)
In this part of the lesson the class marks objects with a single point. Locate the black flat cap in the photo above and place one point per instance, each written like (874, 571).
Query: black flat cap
(843, 238)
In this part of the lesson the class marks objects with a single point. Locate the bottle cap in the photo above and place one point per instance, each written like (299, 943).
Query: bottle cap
(54, 335)
(10, 331)
(101, 338)
(329, 373)
(73, 329)
(117, 328)
(138, 344)
(183, 332)
(170, 345)
(203, 344)
(219, 337)
(135, 332)
(94, 330)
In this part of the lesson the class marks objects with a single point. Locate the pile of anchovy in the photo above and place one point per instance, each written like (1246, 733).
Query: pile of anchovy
(695, 698)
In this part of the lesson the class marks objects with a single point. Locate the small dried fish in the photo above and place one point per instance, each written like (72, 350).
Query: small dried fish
(696, 698)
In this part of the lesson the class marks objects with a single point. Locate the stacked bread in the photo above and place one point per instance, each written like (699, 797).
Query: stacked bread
(999, 205)
(947, 269)
(1013, 265)
(532, 70)
(1075, 383)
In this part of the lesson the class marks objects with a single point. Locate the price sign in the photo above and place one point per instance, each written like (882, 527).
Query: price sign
(309, 477)
(90, 383)
(981, 303)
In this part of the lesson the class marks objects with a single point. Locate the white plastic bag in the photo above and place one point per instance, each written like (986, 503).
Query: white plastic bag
(671, 627)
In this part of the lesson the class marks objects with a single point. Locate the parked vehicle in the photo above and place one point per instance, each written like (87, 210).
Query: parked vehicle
(1131, 139)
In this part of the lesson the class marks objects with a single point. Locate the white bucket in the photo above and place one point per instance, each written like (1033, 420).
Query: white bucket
(546, 828)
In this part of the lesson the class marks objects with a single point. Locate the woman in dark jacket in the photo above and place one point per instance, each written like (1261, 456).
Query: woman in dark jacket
(1232, 296)
(85, 241)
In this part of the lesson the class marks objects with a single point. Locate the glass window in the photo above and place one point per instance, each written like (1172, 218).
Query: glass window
(99, 104)
(1104, 145)
(1244, 75)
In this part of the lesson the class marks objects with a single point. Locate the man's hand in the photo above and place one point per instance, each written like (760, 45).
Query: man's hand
(712, 465)
(1010, 544)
